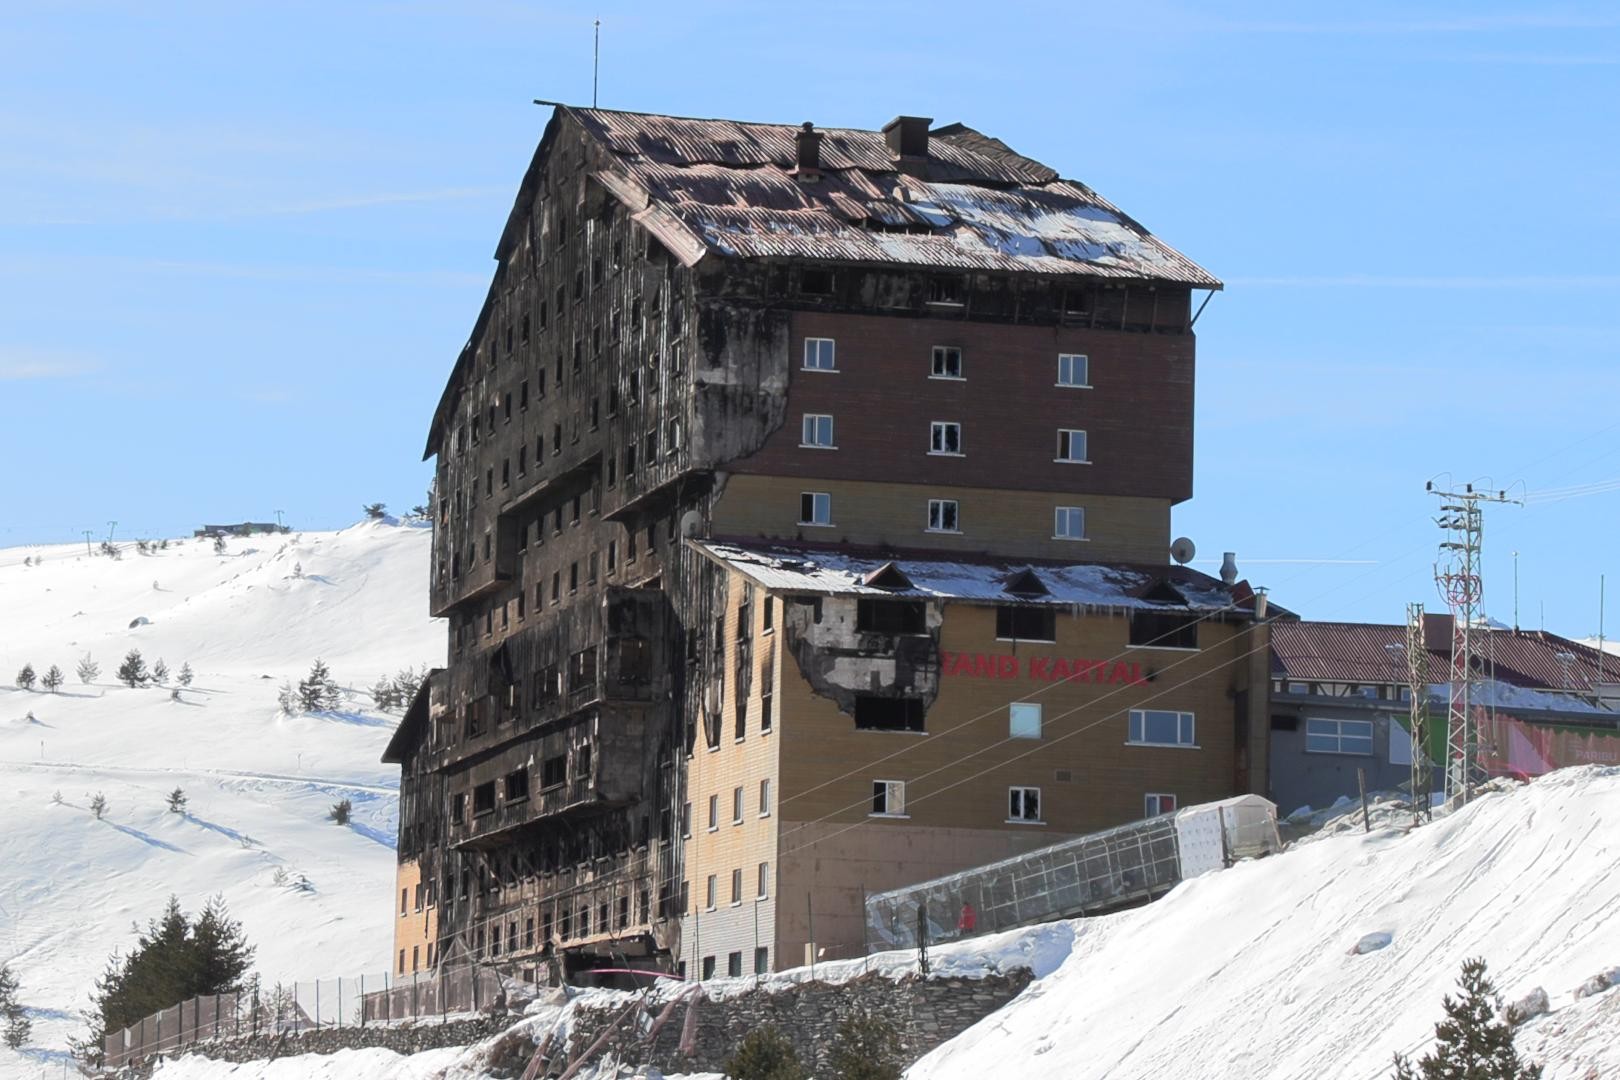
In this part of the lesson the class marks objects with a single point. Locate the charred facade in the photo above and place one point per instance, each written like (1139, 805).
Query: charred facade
(700, 329)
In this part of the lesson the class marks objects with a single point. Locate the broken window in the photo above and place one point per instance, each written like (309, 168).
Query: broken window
(874, 713)
(1015, 623)
(582, 669)
(484, 798)
(944, 437)
(891, 616)
(1024, 804)
(815, 282)
(1164, 629)
(889, 798)
(815, 508)
(554, 771)
(947, 362)
(1071, 446)
(944, 515)
(945, 290)
(517, 785)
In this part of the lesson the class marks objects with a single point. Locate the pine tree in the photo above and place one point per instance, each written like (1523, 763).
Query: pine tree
(765, 1054)
(98, 805)
(341, 812)
(53, 679)
(1472, 1042)
(88, 670)
(220, 952)
(867, 1048)
(219, 545)
(376, 511)
(160, 672)
(287, 698)
(384, 695)
(25, 677)
(177, 801)
(317, 691)
(17, 1025)
(185, 676)
(132, 672)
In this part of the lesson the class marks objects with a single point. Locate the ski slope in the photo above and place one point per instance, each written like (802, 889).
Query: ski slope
(259, 784)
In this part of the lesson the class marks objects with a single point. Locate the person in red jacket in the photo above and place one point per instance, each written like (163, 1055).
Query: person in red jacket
(964, 924)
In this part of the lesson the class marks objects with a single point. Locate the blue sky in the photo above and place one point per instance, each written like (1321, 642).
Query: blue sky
(241, 244)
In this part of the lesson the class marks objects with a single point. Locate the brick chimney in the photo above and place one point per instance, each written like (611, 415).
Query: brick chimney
(808, 165)
(907, 136)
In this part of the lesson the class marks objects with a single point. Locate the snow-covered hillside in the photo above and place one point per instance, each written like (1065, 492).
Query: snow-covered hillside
(1253, 972)
(259, 784)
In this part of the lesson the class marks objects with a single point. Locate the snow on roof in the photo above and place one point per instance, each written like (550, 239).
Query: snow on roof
(801, 569)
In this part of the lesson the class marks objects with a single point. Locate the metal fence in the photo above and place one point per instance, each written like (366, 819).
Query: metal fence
(359, 1001)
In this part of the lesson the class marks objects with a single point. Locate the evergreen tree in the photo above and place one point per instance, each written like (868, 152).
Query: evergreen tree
(88, 670)
(185, 676)
(17, 1024)
(132, 672)
(98, 805)
(341, 812)
(177, 801)
(1472, 1042)
(384, 694)
(53, 679)
(160, 672)
(219, 545)
(287, 698)
(765, 1054)
(867, 1048)
(219, 951)
(376, 511)
(25, 677)
(317, 691)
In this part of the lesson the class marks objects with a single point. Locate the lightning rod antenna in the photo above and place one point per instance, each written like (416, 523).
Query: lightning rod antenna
(596, 61)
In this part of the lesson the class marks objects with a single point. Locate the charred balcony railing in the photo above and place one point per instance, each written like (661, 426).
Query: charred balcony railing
(507, 815)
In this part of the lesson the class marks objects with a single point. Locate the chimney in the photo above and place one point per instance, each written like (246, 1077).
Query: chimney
(1229, 570)
(808, 165)
(907, 136)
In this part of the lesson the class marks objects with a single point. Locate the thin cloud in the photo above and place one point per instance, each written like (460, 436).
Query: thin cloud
(20, 362)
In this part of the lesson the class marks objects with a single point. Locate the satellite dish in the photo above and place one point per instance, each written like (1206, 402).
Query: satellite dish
(691, 523)
(1183, 550)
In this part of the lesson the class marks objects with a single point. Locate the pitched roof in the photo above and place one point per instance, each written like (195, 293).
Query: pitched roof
(729, 188)
(845, 571)
(1376, 653)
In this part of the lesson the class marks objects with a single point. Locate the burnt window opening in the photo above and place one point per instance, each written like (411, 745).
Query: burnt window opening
(579, 284)
(458, 809)
(741, 731)
(1164, 629)
(1019, 623)
(874, 713)
(891, 616)
(946, 290)
(554, 771)
(582, 669)
(582, 761)
(635, 659)
(745, 620)
(768, 614)
(484, 798)
(517, 785)
(711, 729)
(507, 407)
(765, 702)
(816, 282)
(523, 395)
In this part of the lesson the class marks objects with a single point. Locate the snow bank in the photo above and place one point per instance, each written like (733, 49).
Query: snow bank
(1254, 973)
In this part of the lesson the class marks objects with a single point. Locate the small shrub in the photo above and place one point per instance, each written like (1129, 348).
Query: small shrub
(177, 801)
(17, 1025)
(867, 1048)
(185, 676)
(219, 545)
(287, 699)
(25, 677)
(52, 680)
(341, 812)
(88, 670)
(376, 511)
(98, 806)
(765, 1054)
(160, 672)
(132, 672)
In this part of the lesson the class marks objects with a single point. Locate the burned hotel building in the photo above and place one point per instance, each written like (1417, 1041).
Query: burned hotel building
(786, 477)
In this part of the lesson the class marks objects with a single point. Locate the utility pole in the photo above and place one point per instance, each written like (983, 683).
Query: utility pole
(112, 527)
(278, 518)
(1417, 683)
(1458, 576)
(87, 549)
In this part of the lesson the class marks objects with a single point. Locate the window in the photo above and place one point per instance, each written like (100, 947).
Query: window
(517, 785)
(1016, 623)
(1157, 803)
(1164, 630)
(815, 508)
(891, 616)
(943, 516)
(816, 282)
(1074, 369)
(554, 771)
(708, 964)
(874, 713)
(818, 431)
(1328, 736)
(888, 798)
(1071, 446)
(945, 290)
(1069, 523)
(736, 806)
(484, 798)
(709, 900)
(1161, 727)
(945, 437)
(1024, 804)
(714, 812)
(765, 797)
(762, 960)
(734, 961)
(764, 881)
(947, 362)
(736, 898)
(819, 354)
(1024, 720)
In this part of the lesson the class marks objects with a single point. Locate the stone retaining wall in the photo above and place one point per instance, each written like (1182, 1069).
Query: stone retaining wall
(406, 1038)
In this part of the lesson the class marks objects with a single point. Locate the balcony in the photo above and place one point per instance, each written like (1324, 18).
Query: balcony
(509, 816)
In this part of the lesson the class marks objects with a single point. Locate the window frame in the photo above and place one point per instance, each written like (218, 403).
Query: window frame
(1020, 792)
(831, 354)
(890, 789)
(937, 430)
(1136, 729)
(1058, 516)
(955, 512)
(1067, 434)
(1339, 736)
(944, 352)
(805, 431)
(1153, 803)
(1013, 731)
(822, 499)
(1085, 361)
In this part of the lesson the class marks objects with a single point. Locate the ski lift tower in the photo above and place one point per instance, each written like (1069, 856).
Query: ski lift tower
(1458, 577)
